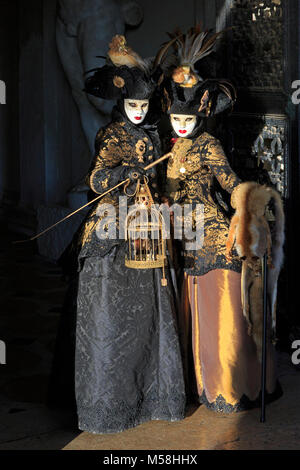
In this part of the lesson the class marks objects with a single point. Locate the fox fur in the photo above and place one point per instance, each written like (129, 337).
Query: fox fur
(250, 234)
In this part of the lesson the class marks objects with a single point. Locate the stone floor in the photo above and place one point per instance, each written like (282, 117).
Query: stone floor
(32, 291)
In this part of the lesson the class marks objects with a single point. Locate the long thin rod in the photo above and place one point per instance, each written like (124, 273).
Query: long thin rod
(264, 341)
(148, 167)
(73, 213)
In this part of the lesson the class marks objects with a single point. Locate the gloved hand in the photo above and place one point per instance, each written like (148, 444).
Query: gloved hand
(134, 173)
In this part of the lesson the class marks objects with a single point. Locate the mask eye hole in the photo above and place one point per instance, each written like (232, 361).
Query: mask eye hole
(189, 119)
(132, 105)
(144, 105)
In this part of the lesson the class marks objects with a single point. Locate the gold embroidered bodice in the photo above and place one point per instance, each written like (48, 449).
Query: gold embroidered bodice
(190, 174)
(118, 145)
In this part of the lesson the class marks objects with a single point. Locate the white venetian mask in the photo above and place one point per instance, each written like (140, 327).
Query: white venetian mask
(136, 110)
(183, 124)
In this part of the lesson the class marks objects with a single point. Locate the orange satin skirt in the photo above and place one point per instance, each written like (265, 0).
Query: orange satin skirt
(226, 364)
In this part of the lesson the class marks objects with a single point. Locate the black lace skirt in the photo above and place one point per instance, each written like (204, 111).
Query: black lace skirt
(128, 366)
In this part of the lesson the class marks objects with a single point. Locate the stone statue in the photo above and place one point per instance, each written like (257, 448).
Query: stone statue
(84, 30)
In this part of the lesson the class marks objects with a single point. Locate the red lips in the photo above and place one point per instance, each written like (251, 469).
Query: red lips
(137, 118)
(182, 131)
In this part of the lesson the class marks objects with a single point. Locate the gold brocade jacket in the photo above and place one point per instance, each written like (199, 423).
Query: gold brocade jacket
(190, 176)
(119, 145)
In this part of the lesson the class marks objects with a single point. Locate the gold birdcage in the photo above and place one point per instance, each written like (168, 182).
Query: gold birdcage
(146, 244)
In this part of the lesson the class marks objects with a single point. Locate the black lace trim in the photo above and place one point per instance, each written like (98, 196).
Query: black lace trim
(121, 416)
(97, 430)
(220, 405)
(220, 264)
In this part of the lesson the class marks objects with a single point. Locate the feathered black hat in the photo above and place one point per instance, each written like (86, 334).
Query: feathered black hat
(206, 99)
(125, 74)
(185, 91)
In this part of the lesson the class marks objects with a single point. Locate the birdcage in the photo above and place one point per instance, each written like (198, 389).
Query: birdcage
(146, 244)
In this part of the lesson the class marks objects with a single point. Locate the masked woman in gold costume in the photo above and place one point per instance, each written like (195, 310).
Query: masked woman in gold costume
(227, 368)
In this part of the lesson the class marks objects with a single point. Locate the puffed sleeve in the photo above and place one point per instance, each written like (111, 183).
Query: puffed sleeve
(216, 160)
(106, 170)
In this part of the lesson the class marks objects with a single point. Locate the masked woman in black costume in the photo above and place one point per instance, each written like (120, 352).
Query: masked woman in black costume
(128, 365)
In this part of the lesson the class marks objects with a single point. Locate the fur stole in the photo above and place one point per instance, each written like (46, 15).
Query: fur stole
(252, 236)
